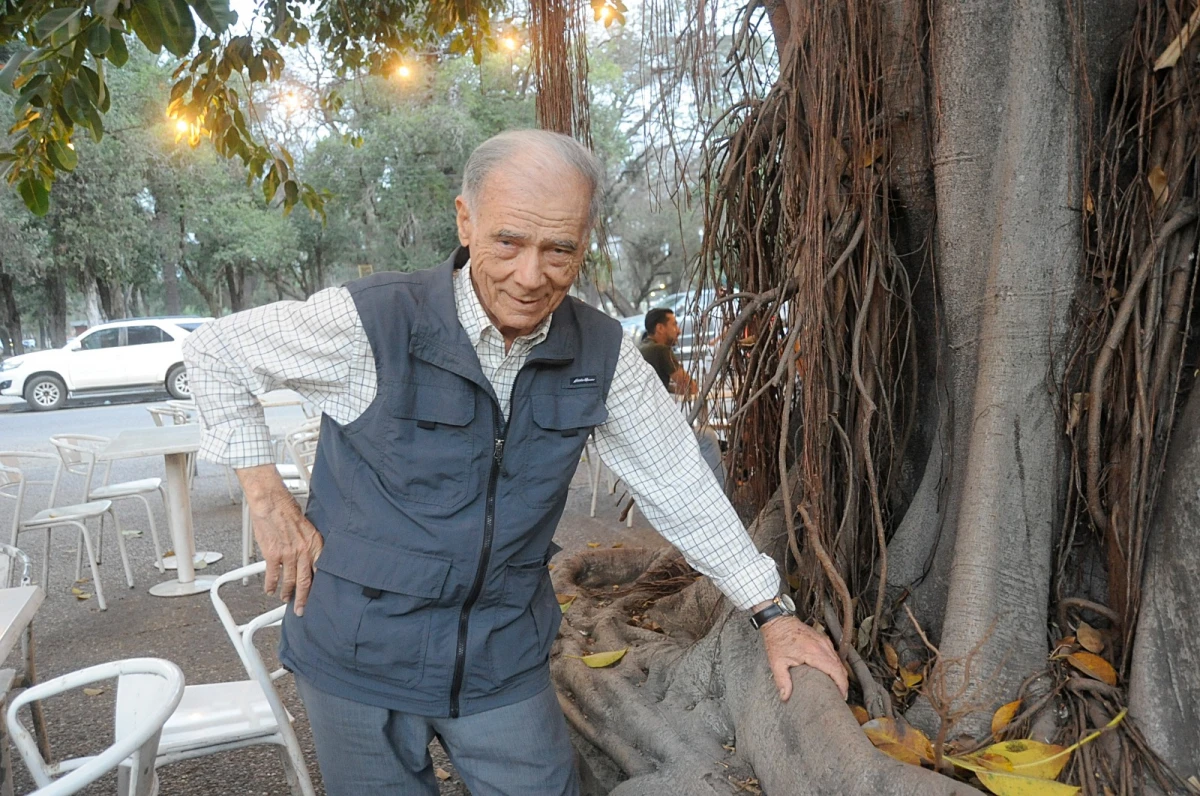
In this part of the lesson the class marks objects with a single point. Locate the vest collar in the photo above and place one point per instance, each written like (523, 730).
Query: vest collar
(439, 338)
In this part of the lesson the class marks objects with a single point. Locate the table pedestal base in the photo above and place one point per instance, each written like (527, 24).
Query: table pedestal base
(173, 588)
(207, 556)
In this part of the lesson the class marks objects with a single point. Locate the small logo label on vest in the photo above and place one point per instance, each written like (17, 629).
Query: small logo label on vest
(583, 381)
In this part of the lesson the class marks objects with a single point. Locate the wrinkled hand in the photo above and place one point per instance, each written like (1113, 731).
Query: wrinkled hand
(287, 539)
(789, 643)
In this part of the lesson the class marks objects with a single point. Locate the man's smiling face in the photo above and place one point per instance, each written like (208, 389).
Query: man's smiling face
(528, 232)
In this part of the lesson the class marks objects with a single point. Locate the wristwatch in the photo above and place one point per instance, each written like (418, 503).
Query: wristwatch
(782, 605)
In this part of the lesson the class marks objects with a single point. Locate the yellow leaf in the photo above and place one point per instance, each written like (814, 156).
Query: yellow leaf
(910, 678)
(878, 147)
(565, 600)
(599, 660)
(1170, 56)
(1158, 184)
(901, 753)
(860, 714)
(1093, 666)
(897, 731)
(1004, 716)
(593, 545)
(1090, 638)
(1004, 784)
(1089, 204)
(618, 545)
(893, 660)
(93, 691)
(1032, 758)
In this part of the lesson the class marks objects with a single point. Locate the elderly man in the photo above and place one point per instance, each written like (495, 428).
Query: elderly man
(456, 405)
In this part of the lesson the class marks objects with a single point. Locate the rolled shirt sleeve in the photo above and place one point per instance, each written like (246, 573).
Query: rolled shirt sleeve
(647, 442)
(316, 347)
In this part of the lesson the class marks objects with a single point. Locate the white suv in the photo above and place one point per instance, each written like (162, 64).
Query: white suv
(134, 355)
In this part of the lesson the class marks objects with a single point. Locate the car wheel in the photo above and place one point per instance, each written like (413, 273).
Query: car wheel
(178, 384)
(46, 392)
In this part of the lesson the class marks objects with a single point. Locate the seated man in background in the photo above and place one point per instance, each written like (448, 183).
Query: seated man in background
(662, 333)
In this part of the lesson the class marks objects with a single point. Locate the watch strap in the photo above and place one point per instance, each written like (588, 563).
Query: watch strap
(766, 615)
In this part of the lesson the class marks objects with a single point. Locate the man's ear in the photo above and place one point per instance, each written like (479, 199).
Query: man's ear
(463, 218)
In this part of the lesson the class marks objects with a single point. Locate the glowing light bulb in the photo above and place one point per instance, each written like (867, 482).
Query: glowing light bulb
(509, 42)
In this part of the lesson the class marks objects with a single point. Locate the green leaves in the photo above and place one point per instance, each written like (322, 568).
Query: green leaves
(179, 29)
(9, 73)
(147, 24)
(36, 195)
(216, 14)
(56, 19)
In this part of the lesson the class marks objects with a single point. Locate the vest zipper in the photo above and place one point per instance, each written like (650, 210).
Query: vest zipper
(489, 525)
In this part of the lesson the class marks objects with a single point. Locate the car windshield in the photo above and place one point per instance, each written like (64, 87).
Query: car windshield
(189, 326)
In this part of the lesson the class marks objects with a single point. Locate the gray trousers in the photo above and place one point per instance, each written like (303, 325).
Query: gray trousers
(520, 749)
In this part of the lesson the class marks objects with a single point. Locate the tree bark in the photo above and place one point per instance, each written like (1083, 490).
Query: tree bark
(10, 313)
(56, 300)
(1164, 690)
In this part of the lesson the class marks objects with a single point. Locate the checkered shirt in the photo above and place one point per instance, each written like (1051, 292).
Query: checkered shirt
(320, 349)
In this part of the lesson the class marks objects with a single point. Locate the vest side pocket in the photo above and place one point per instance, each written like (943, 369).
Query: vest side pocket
(517, 642)
(554, 443)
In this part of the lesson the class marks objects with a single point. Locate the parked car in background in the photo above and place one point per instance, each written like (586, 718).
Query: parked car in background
(120, 357)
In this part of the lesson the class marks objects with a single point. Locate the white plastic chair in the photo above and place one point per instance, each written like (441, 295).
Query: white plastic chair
(78, 454)
(301, 446)
(595, 469)
(218, 717)
(136, 748)
(14, 484)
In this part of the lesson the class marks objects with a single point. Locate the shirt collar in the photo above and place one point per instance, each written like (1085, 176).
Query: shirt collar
(474, 318)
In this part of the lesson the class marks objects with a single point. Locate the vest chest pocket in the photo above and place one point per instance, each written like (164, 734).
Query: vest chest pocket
(428, 444)
(554, 442)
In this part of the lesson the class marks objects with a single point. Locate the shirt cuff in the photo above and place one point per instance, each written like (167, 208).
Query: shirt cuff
(238, 446)
(755, 583)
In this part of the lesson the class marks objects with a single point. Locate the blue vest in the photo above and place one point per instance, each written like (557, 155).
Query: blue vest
(432, 594)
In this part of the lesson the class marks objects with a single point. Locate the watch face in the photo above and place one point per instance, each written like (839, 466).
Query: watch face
(787, 603)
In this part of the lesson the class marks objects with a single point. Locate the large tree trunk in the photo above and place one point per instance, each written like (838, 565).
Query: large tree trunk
(1164, 692)
(10, 313)
(56, 300)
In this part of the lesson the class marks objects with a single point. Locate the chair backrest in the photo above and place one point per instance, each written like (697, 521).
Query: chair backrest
(140, 743)
(169, 416)
(302, 447)
(78, 454)
(242, 638)
(9, 556)
(14, 483)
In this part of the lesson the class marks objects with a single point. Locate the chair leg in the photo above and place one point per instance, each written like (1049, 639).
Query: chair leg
(158, 559)
(295, 768)
(100, 539)
(229, 484)
(78, 555)
(46, 563)
(247, 537)
(87, 541)
(28, 679)
(124, 553)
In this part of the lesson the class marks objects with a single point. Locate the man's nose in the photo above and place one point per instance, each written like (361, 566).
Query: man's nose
(529, 273)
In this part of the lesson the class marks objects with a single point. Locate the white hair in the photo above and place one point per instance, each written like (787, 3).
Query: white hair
(503, 148)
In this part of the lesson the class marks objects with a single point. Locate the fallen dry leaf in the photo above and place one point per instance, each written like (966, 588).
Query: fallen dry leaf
(600, 660)
(1093, 666)
(1004, 784)
(860, 714)
(1090, 638)
(1158, 184)
(618, 545)
(901, 753)
(80, 594)
(897, 731)
(1004, 716)
(593, 545)
(93, 691)
(565, 600)
(893, 660)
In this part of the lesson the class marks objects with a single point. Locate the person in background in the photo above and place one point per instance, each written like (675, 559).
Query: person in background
(658, 343)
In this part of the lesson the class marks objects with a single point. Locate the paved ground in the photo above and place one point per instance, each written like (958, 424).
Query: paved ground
(71, 634)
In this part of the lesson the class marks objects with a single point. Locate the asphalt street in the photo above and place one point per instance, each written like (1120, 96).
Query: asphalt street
(72, 633)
